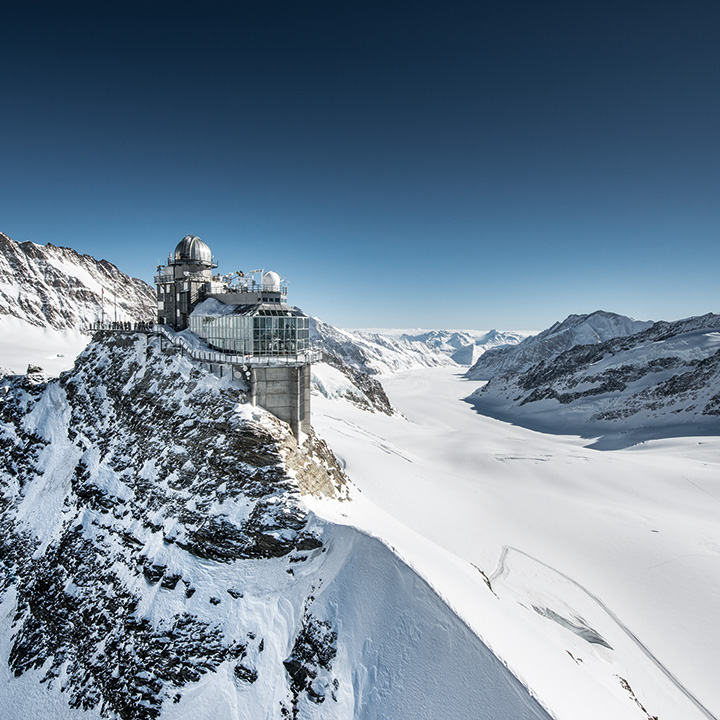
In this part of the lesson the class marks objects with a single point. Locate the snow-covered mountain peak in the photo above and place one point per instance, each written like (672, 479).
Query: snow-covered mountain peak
(596, 327)
(588, 329)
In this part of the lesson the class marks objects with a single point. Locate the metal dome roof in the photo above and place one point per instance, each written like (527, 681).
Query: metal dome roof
(192, 249)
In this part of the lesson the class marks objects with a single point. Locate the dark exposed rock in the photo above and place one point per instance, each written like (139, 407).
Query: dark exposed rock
(372, 394)
(169, 582)
(153, 573)
(310, 662)
(246, 674)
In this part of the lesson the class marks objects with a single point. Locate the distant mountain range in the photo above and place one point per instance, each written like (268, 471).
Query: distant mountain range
(352, 358)
(373, 352)
(604, 373)
(465, 347)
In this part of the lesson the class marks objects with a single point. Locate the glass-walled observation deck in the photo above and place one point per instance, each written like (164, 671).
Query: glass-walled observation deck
(255, 330)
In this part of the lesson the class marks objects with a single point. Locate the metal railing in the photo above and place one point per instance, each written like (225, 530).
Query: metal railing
(249, 287)
(215, 356)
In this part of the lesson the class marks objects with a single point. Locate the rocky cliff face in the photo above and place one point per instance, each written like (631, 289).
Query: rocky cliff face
(146, 511)
(574, 330)
(56, 287)
(666, 376)
(334, 378)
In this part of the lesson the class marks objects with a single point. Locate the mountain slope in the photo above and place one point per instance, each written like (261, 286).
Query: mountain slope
(158, 562)
(667, 376)
(352, 359)
(574, 330)
(49, 294)
(334, 378)
(56, 287)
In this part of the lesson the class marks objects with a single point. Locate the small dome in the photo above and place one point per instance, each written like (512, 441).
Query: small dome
(192, 249)
(271, 281)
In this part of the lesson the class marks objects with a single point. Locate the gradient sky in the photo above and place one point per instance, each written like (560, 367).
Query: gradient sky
(443, 164)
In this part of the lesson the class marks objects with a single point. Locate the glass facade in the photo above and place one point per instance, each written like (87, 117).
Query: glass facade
(265, 332)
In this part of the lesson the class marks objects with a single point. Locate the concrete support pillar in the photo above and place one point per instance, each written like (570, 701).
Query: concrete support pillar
(285, 392)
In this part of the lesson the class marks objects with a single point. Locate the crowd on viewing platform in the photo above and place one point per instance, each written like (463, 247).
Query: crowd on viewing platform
(123, 326)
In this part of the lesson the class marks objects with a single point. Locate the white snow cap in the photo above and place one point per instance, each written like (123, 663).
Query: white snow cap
(271, 281)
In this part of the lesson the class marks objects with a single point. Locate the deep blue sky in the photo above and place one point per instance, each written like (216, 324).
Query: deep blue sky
(454, 164)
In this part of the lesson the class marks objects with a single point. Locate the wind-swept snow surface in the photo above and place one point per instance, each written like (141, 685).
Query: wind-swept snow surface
(23, 344)
(594, 575)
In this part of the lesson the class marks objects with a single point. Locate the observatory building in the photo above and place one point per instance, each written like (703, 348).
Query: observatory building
(245, 318)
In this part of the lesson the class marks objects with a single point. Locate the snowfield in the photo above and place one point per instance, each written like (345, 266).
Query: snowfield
(23, 344)
(595, 575)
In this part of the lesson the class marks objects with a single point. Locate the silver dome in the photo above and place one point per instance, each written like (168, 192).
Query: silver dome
(192, 249)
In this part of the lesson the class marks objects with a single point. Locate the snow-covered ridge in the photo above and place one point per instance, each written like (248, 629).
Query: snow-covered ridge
(664, 377)
(49, 295)
(159, 562)
(574, 330)
(56, 287)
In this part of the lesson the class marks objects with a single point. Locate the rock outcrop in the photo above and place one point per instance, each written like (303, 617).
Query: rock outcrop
(122, 483)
